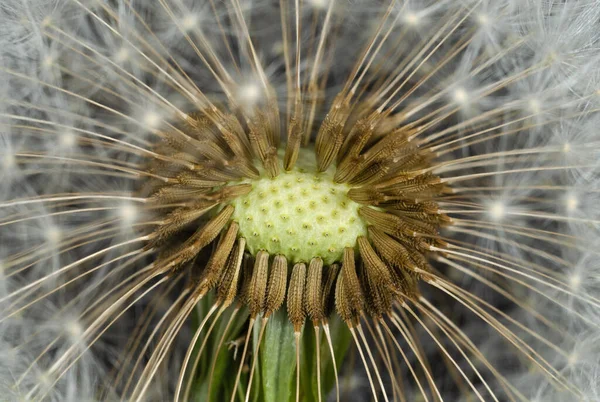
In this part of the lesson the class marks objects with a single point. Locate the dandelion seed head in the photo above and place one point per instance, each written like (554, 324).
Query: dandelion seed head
(53, 234)
(411, 19)
(573, 358)
(319, 4)
(173, 174)
(190, 21)
(249, 94)
(152, 119)
(128, 213)
(534, 106)
(460, 96)
(67, 138)
(497, 211)
(74, 330)
(575, 281)
(8, 162)
(571, 203)
(483, 19)
(122, 55)
(48, 61)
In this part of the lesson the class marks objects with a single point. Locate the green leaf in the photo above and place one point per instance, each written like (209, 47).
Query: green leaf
(278, 360)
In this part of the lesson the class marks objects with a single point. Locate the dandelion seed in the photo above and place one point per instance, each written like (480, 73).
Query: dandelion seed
(571, 203)
(122, 55)
(299, 201)
(497, 211)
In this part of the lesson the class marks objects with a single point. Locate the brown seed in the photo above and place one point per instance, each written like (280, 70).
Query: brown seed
(274, 122)
(390, 250)
(177, 220)
(264, 150)
(379, 285)
(232, 132)
(366, 195)
(295, 299)
(210, 172)
(313, 300)
(414, 185)
(387, 222)
(331, 136)
(370, 173)
(228, 283)
(258, 284)
(348, 292)
(294, 136)
(188, 178)
(207, 148)
(245, 278)
(277, 285)
(176, 193)
(216, 263)
(200, 239)
(358, 138)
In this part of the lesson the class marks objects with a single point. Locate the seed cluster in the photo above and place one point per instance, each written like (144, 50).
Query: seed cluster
(296, 229)
(300, 214)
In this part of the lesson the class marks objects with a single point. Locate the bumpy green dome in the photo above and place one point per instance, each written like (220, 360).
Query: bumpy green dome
(301, 214)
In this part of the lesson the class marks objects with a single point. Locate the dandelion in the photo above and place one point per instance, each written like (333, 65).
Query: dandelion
(318, 200)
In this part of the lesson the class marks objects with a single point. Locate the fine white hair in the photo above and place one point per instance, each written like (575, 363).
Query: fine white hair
(88, 87)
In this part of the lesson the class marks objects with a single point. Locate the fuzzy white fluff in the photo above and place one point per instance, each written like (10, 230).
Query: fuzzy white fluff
(82, 87)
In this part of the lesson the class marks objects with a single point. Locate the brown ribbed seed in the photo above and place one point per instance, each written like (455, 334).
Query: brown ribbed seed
(204, 147)
(348, 292)
(204, 171)
(200, 239)
(313, 301)
(367, 195)
(295, 298)
(232, 132)
(177, 193)
(370, 174)
(390, 250)
(261, 144)
(387, 222)
(274, 129)
(362, 131)
(276, 286)
(414, 205)
(245, 278)
(294, 136)
(358, 137)
(190, 179)
(425, 217)
(216, 263)
(257, 288)
(375, 267)
(378, 279)
(177, 220)
(331, 136)
(228, 283)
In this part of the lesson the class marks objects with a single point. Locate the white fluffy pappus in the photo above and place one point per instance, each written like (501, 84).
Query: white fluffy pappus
(102, 103)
